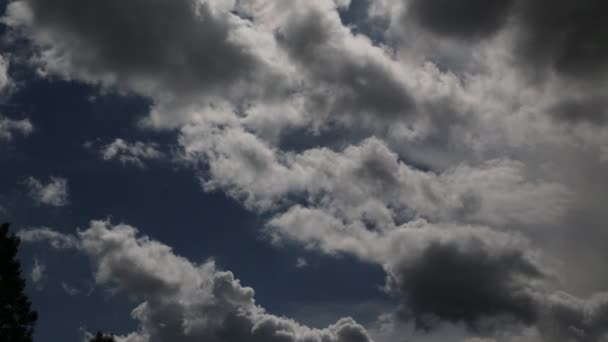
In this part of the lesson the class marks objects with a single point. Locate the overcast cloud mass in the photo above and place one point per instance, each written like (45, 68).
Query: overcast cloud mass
(458, 148)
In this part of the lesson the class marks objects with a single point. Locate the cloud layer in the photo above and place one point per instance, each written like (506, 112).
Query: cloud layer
(462, 148)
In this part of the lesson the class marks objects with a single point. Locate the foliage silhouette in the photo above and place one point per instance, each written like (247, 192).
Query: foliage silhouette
(17, 318)
(102, 338)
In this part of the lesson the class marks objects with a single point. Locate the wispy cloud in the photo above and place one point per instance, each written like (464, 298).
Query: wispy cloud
(53, 193)
(10, 127)
(136, 153)
(37, 271)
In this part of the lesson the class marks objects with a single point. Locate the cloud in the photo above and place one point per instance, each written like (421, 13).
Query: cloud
(558, 36)
(464, 19)
(5, 80)
(55, 239)
(301, 263)
(9, 128)
(490, 281)
(71, 291)
(37, 271)
(205, 52)
(123, 50)
(466, 284)
(439, 273)
(347, 75)
(186, 301)
(131, 153)
(54, 193)
(464, 129)
(368, 182)
(268, 60)
(567, 36)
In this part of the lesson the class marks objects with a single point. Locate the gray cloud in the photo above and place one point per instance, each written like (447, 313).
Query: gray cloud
(182, 43)
(572, 319)
(462, 19)
(71, 291)
(492, 282)
(37, 271)
(591, 110)
(174, 52)
(466, 284)
(55, 239)
(6, 83)
(562, 36)
(10, 127)
(490, 145)
(356, 82)
(568, 36)
(54, 193)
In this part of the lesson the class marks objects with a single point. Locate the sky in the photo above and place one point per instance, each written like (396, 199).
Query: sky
(308, 170)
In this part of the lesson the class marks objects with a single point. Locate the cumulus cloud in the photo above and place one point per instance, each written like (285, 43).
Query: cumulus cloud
(368, 182)
(207, 51)
(131, 152)
(53, 193)
(10, 127)
(458, 274)
(466, 284)
(359, 77)
(490, 281)
(125, 51)
(186, 301)
(425, 264)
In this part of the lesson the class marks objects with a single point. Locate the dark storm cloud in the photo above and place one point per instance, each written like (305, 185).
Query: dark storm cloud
(460, 19)
(570, 37)
(359, 83)
(591, 110)
(451, 283)
(181, 44)
(572, 319)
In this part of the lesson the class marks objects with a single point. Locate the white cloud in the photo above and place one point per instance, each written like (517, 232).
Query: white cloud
(131, 153)
(186, 301)
(37, 271)
(54, 238)
(10, 127)
(54, 193)
(368, 182)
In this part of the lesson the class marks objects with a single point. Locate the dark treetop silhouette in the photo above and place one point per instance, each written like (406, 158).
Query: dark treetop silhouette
(16, 315)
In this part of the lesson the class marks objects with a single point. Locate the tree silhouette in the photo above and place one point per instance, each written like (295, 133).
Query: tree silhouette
(17, 318)
(102, 338)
